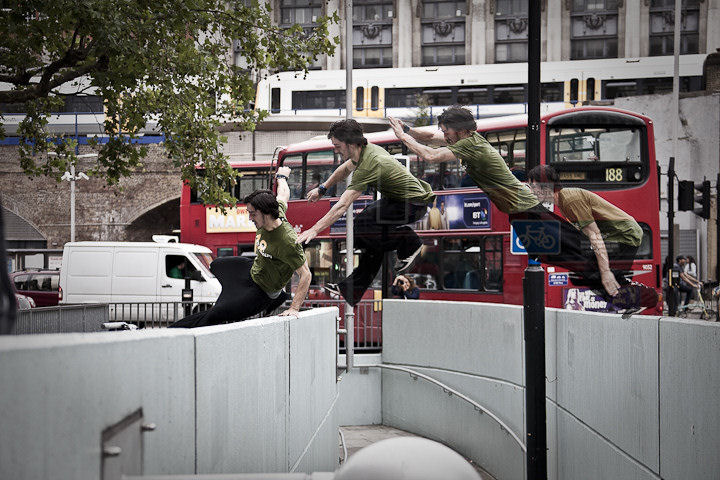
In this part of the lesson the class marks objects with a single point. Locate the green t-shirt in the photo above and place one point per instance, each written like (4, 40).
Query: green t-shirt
(490, 172)
(278, 256)
(582, 207)
(377, 168)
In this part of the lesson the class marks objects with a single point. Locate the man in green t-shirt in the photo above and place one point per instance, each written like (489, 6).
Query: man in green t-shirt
(489, 171)
(383, 225)
(614, 236)
(254, 286)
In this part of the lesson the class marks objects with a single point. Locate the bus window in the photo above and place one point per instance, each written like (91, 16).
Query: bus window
(461, 264)
(393, 148)
(510, 144)
(320, 165)
(426, 270)
(295, 180)
(359, 99)
(320, 260)
(275, 100)
(493, 263)
(374, 98)
(618, 88)
(248, 182)
(225, 252)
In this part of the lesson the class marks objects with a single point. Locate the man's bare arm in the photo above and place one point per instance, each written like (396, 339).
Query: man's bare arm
(346, 201)
(301, 291)
(429, 154)
(283, 190)
(598, 245)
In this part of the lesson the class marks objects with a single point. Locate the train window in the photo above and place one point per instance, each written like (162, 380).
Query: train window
(472, 96)
(374, 98)
(318, 99)
(275, 100)
(401, 97)
(574, 90)
(360, 99)
(590, 89)
(509, 94)
(438, 96)
(551, 92)
(619, 88)
(295, 180)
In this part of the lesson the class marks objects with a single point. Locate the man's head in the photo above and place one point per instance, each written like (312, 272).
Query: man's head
(680, 260)
(456, 123)
(346, 135)
(543, 181)
(262, 207)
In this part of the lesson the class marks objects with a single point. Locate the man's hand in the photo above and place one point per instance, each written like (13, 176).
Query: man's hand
(609, 283)
(306, 236)
(313, 195)
(283, 171)
(397, 126)
(289, 312)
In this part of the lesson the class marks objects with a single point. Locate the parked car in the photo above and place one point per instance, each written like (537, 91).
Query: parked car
(23, 302)
(40, 285)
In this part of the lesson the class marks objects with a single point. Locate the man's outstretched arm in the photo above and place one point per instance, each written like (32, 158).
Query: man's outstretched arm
(598, 245)
(346, 200)
(429, 154)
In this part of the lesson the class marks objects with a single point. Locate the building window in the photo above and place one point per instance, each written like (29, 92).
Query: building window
(304, 13)
(662, 27)
(511, 31)
(443, 32)
(372, 33)
(594, 29)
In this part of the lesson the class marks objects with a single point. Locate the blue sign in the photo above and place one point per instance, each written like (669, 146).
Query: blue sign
(557, 279)
(536, 237)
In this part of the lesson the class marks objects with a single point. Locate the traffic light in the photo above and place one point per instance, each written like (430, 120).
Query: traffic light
(687, 198)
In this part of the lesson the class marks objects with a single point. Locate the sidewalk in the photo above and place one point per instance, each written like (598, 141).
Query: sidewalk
(357, 437)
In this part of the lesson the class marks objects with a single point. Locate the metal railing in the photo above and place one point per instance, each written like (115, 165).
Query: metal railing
(368, 322)
(61, 319)
(153, 314)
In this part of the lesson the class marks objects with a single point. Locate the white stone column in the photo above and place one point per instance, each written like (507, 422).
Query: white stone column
(403, 33)
(336, 61)
(632, 28)
(554, 31)
(713, 31)
(476, 27)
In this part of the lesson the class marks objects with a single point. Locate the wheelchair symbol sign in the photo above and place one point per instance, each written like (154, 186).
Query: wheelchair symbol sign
(535, 237)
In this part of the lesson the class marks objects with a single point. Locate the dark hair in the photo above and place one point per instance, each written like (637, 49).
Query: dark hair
(690, 259)
(457, 118)
(265, 202)
(679, 257)
(348, 131)
(543, 174)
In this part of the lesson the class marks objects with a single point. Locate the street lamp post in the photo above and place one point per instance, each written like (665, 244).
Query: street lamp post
(72, 177)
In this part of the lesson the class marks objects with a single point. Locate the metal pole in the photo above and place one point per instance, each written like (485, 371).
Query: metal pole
(72, 202)
(534, 281)
(349, 230)
(672, 297)
(676, 80)
(717, 238)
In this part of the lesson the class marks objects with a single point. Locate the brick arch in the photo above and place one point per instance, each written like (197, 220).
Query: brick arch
(162, 218)
(16, 208)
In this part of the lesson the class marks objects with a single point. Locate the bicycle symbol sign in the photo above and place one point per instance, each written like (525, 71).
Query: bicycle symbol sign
(535, 237)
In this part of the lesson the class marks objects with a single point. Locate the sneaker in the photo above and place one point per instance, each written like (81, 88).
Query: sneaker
(333, 290)
(403, 265)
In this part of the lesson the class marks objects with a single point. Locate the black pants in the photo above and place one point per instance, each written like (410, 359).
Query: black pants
(381, 227)
(240, 297)
(577, 256)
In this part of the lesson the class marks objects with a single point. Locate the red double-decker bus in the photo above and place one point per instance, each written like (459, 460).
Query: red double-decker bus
(467, 254)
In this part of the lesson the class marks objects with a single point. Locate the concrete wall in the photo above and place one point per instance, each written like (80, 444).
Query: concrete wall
(626, 398)
(256, 396)
(360, 395)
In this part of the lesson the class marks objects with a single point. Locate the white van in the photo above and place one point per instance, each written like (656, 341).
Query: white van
(112, 272)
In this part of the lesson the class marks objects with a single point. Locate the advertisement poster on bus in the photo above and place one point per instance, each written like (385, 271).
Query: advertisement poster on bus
(586, 300)
(235, 220)
(458, 211)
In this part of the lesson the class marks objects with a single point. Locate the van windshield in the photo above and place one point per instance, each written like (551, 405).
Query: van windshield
(205, 260)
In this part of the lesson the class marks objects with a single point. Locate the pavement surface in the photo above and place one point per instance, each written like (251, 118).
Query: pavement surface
(357, 437)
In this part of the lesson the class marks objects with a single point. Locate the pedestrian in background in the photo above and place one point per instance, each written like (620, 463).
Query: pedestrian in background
(404, 287)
